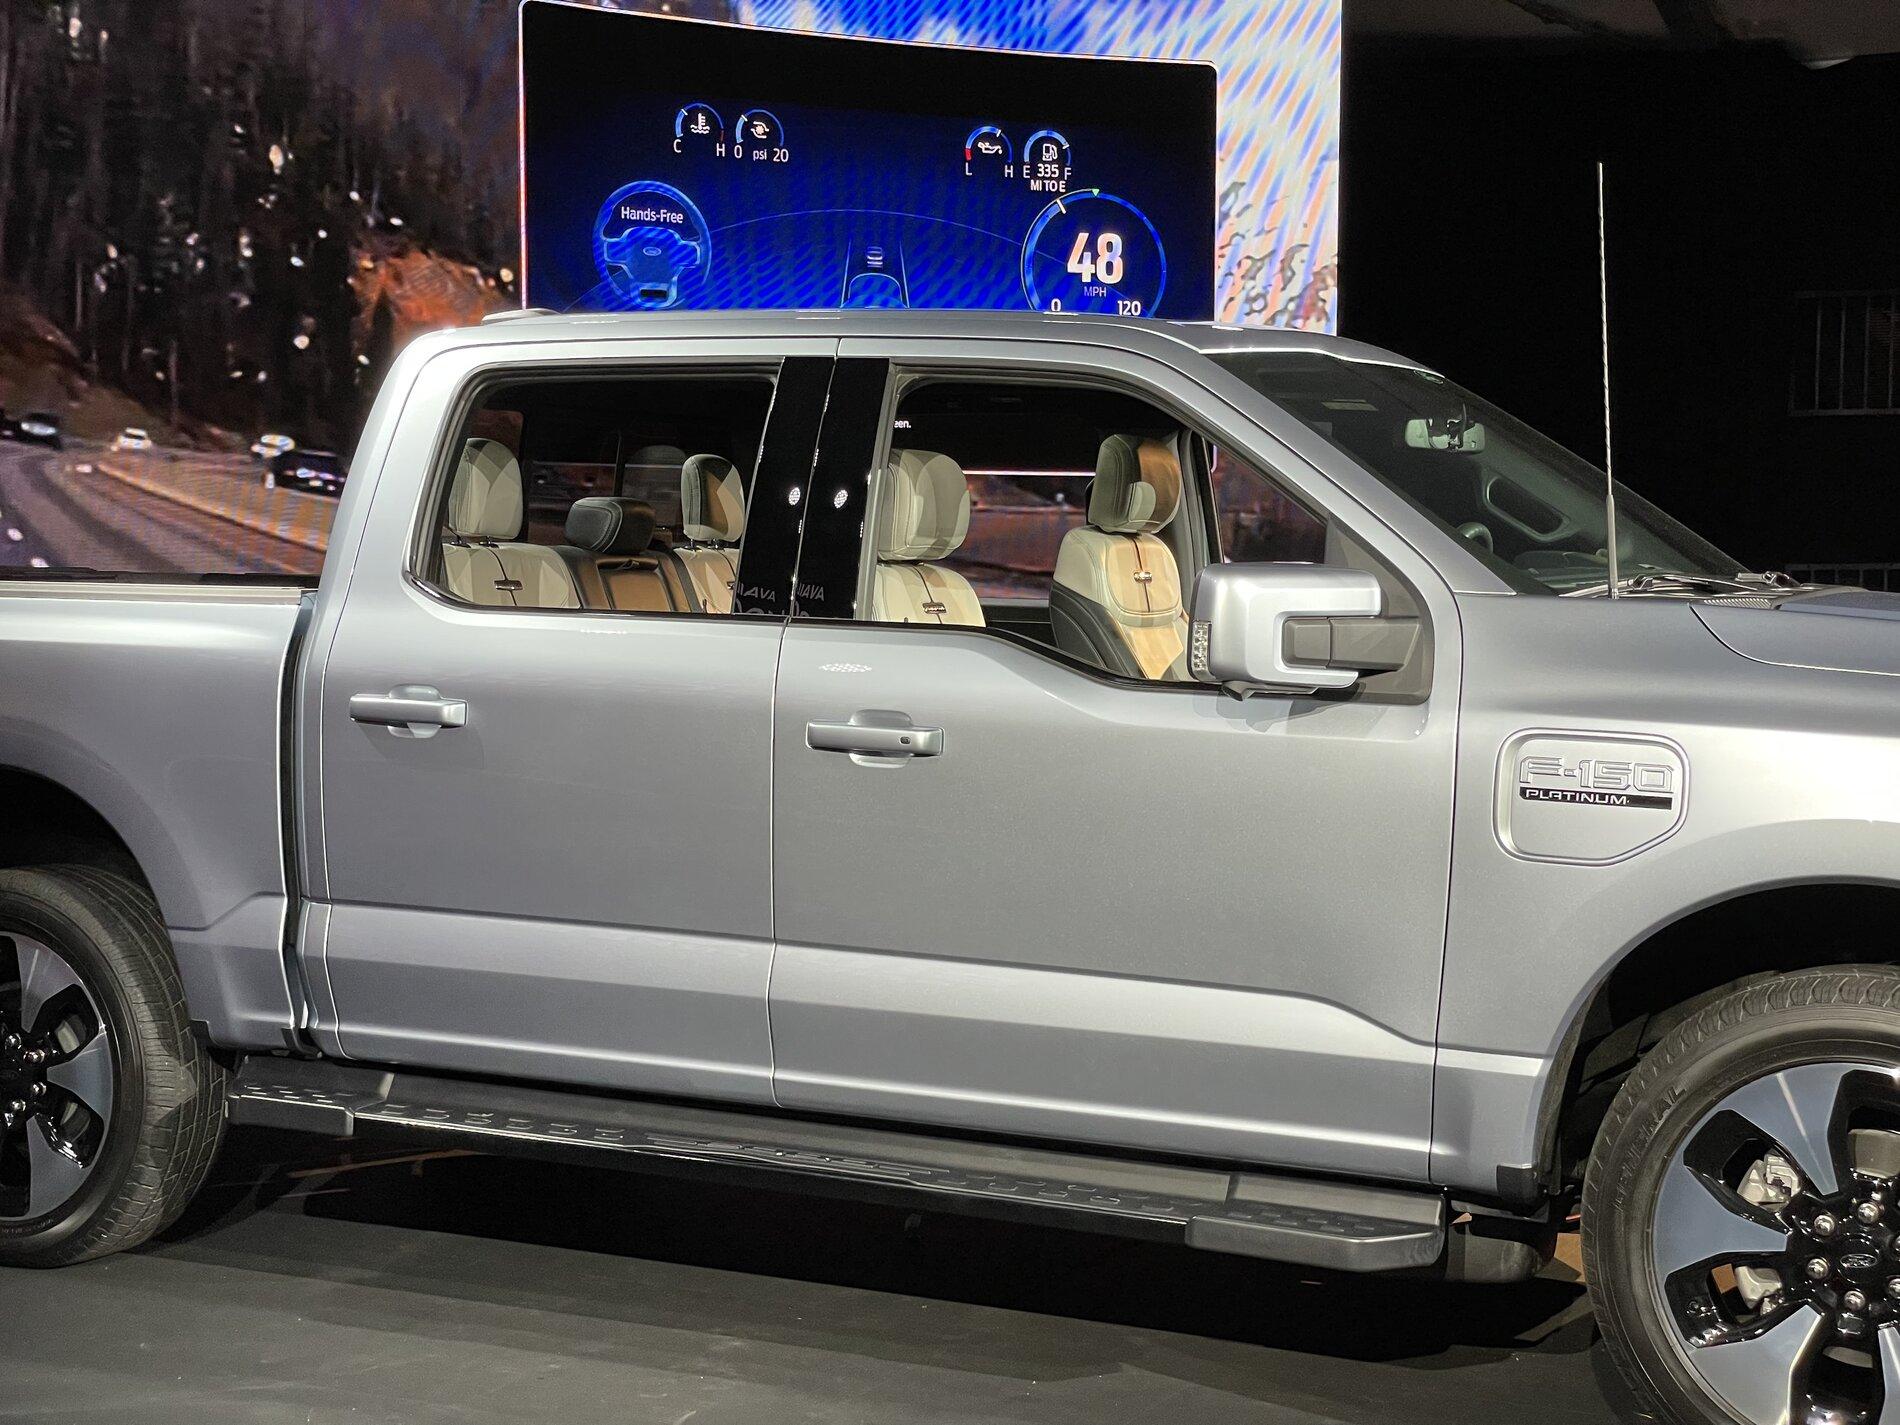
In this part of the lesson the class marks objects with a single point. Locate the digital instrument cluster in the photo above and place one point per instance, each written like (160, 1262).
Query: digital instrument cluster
(802, 171)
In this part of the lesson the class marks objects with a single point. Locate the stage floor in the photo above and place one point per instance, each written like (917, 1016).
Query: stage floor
(311, 1287)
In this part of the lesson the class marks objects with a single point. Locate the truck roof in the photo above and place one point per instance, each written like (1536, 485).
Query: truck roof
(1132, 333)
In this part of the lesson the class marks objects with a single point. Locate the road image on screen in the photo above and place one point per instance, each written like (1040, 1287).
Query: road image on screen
(678, 165)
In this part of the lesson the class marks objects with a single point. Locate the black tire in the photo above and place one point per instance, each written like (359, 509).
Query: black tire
(168, 1114)
(1758, 1028)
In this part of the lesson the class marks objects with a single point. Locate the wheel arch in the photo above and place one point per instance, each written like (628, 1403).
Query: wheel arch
(54, 822)
(1660, 977)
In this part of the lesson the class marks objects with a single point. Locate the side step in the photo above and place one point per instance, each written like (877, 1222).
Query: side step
(1340, 1226)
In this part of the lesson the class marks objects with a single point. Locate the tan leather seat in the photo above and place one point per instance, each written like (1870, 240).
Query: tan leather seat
(1117, 596)
(483, 559)
(712, 517)
(923, 517)
(611, 553)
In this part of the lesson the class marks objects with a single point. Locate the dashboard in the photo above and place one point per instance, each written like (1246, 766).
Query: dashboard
(679, 164)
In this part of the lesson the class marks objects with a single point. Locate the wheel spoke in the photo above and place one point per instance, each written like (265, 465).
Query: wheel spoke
(1757, 1375)
(1890, 1375)
(1694, 1225)
(1796, 1109)
(87, 1075)
(54, 1176)
(42, 976)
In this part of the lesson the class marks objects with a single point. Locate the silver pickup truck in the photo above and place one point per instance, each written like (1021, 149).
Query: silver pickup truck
(1180, 780)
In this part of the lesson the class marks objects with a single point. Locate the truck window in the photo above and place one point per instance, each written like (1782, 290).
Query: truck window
(1067, 514)
(1527, 509)
(1260, 523)
(617, 494)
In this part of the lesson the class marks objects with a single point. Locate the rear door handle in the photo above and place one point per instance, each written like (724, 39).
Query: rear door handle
(888, 735)
(418, 712)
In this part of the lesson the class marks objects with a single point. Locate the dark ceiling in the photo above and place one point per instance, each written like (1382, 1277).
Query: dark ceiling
(1814, 31)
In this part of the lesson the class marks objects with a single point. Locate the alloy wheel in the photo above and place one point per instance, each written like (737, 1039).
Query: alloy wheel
(1775, 1247)
(56, 1080)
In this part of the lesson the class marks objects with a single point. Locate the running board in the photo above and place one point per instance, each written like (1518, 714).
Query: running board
(1340, 1226)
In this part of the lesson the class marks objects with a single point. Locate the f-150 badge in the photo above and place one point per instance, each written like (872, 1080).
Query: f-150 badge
(1597, 782)
(1589, 798)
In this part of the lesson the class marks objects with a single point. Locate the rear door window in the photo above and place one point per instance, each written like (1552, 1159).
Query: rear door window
(623, 493)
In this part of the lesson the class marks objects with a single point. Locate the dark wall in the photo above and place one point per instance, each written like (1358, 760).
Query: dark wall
(1737, 178)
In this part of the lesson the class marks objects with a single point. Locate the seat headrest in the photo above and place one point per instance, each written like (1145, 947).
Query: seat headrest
(610, 525)
(1137, 488)
(925, 513)
(656, 457)
(712, 500)
(485, 501)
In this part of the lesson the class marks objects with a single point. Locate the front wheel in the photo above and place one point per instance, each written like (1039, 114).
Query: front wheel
(1741, 1209)
(110, 1110)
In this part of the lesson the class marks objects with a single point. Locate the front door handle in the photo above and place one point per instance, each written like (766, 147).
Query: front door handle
(890, 736)
(416, 712)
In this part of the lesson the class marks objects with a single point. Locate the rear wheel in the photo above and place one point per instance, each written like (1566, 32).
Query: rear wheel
(1741, 1210)
(110, 1110)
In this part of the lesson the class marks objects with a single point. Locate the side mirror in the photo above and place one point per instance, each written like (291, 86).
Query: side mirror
(1292, 628)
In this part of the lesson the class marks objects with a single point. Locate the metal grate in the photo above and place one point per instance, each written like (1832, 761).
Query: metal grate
(1846, 348)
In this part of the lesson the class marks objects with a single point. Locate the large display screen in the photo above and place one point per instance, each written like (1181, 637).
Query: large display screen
(675, 164)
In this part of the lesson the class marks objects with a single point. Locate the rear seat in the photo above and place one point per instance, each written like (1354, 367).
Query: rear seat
(712, 516)
(483, 559)
(615, 564)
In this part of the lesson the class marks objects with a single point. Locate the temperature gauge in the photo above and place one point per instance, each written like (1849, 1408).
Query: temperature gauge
(1094, 252)
(699, 129)
(989, 151)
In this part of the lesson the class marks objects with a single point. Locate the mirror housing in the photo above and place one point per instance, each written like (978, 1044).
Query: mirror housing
(1299, 628)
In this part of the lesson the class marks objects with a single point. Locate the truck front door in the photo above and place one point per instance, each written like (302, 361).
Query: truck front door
(1022, 887)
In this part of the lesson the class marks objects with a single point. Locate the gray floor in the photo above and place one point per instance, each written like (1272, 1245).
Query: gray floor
(312, 1288)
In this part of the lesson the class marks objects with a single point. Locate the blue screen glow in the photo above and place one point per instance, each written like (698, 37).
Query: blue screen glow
(677, 165)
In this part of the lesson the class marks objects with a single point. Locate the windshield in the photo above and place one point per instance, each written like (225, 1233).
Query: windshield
(1528, 508)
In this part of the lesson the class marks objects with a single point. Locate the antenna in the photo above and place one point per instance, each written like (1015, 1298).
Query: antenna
(1609, 457)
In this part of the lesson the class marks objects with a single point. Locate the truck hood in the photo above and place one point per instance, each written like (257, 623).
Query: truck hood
(1844, 631)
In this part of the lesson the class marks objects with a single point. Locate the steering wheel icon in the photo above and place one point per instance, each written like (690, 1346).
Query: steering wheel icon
(649, 238)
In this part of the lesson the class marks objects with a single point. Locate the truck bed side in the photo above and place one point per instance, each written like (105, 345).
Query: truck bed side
(160, 707)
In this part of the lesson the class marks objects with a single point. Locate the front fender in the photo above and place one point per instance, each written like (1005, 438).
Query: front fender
(1498, 1107)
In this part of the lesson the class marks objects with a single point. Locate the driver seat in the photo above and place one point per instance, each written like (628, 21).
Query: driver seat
(1116, 601)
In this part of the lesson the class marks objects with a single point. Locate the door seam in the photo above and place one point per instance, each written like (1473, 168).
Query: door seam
(771, 750)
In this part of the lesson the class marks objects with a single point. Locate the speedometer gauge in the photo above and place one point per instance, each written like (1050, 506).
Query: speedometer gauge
(1094, 252)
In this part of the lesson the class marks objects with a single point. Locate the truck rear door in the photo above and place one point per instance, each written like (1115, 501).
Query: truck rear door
(545, 727)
